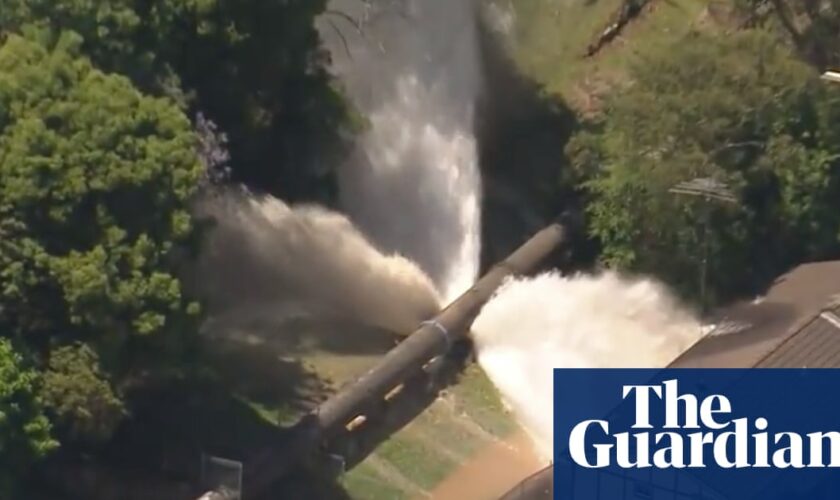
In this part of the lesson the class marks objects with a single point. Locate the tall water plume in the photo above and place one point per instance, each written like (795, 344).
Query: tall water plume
(412, 184)
(586, 321)
(412, 187)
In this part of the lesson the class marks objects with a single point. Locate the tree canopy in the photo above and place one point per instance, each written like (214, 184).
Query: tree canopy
(95, 181)
(94, 184)
(112, 115)
(255, 67)
(78, 395)
(742, 111)
(24, 429)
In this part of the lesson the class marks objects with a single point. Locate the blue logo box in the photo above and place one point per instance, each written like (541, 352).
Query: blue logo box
(692, 434)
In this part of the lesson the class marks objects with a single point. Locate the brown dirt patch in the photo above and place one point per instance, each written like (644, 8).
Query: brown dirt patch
(492, 471)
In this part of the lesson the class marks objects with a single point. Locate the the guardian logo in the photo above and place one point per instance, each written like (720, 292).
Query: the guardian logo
(695, 431)
(687, 434)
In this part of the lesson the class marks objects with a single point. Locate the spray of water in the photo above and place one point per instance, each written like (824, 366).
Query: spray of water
(264, 260)
(412, 188)
(412, 185)
(585, 321)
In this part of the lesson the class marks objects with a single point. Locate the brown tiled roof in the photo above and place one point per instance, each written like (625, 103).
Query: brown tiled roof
(788, 307)
(815, 345)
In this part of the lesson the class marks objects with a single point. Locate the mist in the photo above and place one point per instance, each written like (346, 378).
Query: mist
(263, 258)
(412, 183)
(410, 239)
(534, 325)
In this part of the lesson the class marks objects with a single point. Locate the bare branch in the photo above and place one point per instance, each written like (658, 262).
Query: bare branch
(341, 36)
(787, 21)
(347, 17)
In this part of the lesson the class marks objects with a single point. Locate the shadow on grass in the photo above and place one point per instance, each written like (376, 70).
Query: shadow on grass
(236, 403)
(292, 335)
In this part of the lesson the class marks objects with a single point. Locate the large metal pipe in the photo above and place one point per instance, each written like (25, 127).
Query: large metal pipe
(432, 339)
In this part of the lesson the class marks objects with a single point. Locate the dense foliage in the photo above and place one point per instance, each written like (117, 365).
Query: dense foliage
(739, 110)
(99, 161)
(24, 430)
(94, 182)
(78, 395)
(95, 179)
(253, 66)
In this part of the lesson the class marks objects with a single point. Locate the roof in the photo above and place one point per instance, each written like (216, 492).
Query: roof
(538, 486)
(788, 306)
(815, 345)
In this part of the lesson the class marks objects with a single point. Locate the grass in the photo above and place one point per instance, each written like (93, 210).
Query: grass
(365, 483)
(430, 448)
(250, 388)
(273, 383)
(416, 460)
(477, 398)
(280, 414)
(438, 423)
(550, 39)
(276, 387)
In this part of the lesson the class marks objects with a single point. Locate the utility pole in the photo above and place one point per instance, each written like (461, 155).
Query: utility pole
(708, 189)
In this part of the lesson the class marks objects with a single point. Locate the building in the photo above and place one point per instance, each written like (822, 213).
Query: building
(794, 325)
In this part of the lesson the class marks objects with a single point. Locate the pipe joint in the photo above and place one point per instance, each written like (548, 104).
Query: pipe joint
(440, 328)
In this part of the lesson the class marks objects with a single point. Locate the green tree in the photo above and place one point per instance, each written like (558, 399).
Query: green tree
(77, 393)
(738, 109)
(254, 67)
(95, 181)
(24, 430)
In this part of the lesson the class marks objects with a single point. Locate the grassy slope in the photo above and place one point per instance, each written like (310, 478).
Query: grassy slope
(274, 379)
(550, 38)
(415, 460)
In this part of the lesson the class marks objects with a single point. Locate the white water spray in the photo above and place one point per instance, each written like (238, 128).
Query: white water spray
(412, 185)
(585, 321)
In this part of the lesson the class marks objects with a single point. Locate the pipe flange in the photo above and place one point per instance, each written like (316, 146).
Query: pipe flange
(437, 326)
